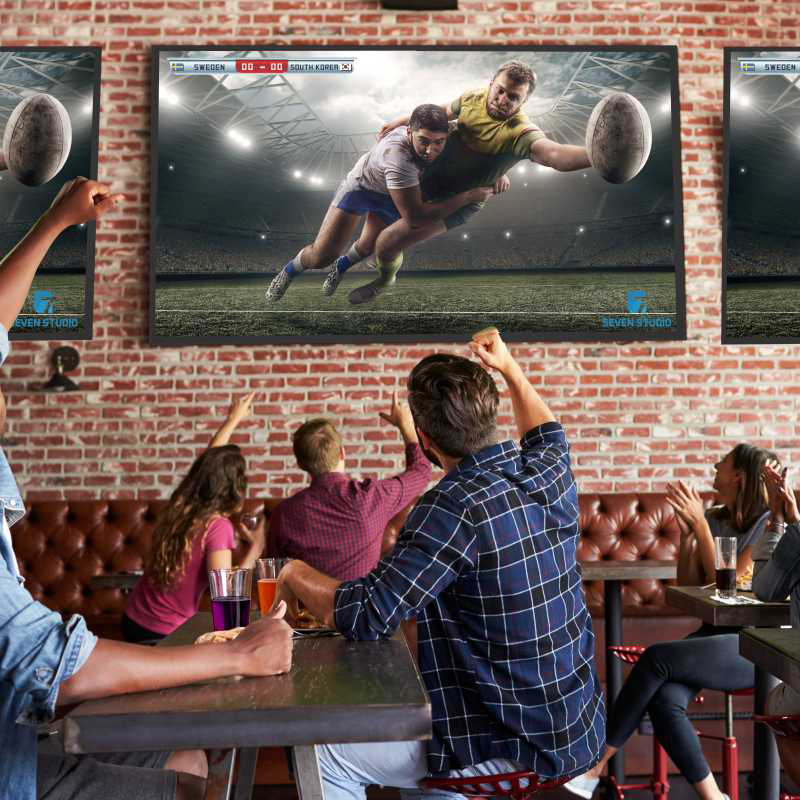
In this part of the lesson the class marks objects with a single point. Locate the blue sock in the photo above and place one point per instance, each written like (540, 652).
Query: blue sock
(294, 267)
(343, 263)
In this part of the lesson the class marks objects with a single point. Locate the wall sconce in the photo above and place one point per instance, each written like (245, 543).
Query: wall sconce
(65, 359)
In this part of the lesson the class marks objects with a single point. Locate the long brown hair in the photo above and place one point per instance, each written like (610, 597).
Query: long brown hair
(216, 484)
(752, 500)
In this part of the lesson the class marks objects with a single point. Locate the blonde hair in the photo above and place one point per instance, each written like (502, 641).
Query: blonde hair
(317, 446)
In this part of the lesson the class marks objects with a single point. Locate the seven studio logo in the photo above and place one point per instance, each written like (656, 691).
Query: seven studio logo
(637, 301)
(638, 315)
(43, 301)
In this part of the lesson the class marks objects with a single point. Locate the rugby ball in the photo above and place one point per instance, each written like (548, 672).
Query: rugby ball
(37, 139)
(618, 137)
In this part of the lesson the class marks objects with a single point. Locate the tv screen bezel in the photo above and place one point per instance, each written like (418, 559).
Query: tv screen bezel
(677, 333)
(91, 229)
(726, 148)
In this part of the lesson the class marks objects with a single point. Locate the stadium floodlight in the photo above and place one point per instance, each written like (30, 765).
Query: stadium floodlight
(465, 236)
(742, 170)
(82, 225)
(171, 167)
(584, 175)
(525, 184)
(297, 174)
(262, 236)
(666, 106)
(169, 97)
(239, 138)
(522, 169)
(315, 180)
(668, 221)
(507, 234)
(581, 229)
(740, 98)
(87, 107)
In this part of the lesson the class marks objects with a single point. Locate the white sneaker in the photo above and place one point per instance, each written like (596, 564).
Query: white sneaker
(332, 280)
(280, 283)
(583, 786)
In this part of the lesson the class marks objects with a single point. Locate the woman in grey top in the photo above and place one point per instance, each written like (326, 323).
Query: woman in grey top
(669, 676)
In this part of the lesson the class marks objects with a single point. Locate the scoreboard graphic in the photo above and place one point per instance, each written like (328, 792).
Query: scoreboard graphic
(261, 66)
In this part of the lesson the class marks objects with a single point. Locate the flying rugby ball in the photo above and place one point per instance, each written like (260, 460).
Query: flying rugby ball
(37, 139)
(618, 137)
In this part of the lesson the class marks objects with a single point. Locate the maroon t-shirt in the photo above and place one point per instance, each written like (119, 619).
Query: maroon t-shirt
(336, 524)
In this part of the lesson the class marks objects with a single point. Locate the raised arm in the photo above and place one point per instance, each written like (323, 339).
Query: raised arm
(80, 200)
(530, 410)
(562, 157)
(240, 408)
(696, 559)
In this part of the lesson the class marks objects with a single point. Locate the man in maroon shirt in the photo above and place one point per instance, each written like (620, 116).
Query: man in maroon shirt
(337, 524)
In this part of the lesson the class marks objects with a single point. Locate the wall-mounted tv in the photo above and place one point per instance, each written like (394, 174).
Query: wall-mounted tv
(761, 260)
(49, 112)
(397, 194)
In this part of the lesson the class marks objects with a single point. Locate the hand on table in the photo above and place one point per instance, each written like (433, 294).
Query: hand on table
(265, 646)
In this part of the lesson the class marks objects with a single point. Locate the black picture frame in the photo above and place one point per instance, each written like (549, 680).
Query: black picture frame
(677, 331)
(57, 182)
(729, 281)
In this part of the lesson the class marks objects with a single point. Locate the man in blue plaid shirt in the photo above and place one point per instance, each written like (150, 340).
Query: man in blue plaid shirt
(487, 560)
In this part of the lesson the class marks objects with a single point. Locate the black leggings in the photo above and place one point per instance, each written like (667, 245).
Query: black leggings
(665, 680)
(134, 632)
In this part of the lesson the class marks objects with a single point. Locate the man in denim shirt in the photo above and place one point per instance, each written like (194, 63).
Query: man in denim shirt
(45, 661)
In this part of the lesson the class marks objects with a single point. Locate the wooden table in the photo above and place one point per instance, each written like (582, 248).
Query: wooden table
(775, 650)
(125, 581)
(337, 691)
(701, 603)
(612, 573)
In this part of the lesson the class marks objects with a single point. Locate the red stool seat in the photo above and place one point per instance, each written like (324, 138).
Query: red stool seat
(509, 784)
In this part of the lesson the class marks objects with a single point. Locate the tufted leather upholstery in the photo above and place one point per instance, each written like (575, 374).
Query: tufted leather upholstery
(60, 545)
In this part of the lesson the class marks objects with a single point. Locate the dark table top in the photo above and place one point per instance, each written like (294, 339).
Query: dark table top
(336, 691)
(775, 650)
(116, 580)
(700, 602)
(641, 569)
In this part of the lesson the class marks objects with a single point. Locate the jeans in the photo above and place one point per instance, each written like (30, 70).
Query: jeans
(665, 680)
(347, 769)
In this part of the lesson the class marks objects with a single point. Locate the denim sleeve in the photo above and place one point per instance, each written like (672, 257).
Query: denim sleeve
(437, 543)
(38, 651)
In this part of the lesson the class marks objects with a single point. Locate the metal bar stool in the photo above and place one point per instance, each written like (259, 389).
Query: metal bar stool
(658, 783)
(509, 784)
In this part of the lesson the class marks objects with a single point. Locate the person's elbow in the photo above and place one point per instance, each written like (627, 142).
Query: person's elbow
(765, 589)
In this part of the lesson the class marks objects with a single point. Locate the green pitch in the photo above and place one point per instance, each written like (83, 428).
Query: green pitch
(452, 304)
(771, 310)
(68, 302)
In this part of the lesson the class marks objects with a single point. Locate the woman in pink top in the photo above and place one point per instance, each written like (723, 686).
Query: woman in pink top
(193, 535)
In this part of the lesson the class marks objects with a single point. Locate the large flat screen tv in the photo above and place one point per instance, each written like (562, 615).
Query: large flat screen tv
(269, 178)
(49, 112)
(761, 261)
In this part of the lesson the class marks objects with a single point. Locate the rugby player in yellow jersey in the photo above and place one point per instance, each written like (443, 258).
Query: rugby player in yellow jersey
(493, 134)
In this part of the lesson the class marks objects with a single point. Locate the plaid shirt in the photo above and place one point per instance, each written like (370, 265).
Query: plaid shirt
(336, 524)
(487, 559)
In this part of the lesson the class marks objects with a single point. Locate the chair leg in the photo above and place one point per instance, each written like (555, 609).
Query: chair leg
(730, 753)
(660, 780)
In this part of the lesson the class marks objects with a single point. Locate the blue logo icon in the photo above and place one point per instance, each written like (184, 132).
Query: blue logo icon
(637, 301)
(42, 301)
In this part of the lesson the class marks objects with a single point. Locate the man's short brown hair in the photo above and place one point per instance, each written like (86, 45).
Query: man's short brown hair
(317, 446)
(454, 401)
(518, 72)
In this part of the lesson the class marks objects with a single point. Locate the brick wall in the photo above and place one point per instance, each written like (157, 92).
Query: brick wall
(637, 415)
